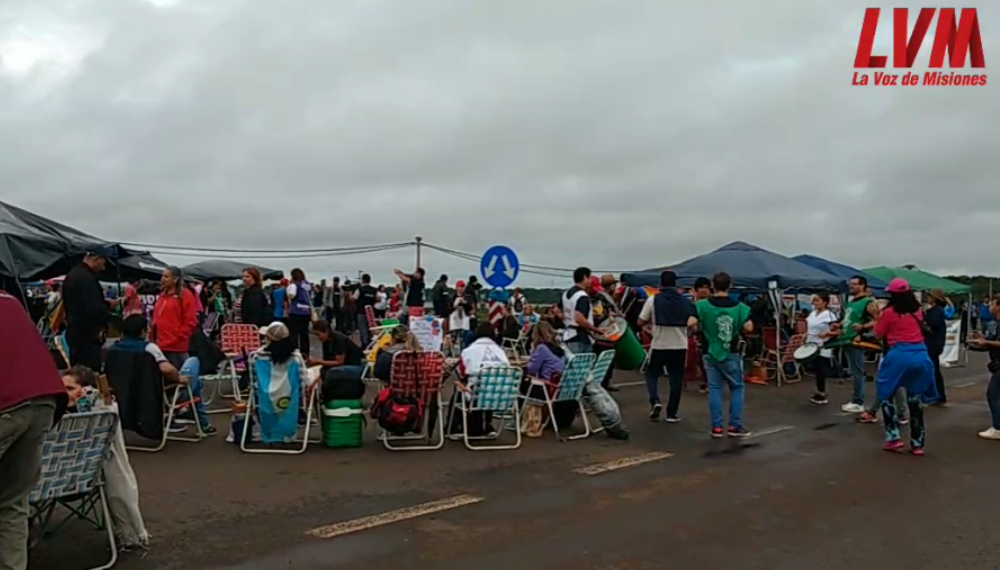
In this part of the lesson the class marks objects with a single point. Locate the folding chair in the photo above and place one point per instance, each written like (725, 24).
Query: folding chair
(494, 389)
(418, 375)
(73, 458)
(131, 375)
(578, 371)
(516, 348)
(260, 364)
(62, 346)
(237, 340)
(776, 363)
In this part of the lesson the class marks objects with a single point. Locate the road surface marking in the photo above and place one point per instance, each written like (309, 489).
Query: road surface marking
(771, 431)
(627, 384)
(965, 385)
(374, 521)
(623, 463)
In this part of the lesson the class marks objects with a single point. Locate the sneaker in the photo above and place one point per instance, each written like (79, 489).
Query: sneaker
(703, 388)
(819, 399)
(176, 427)
(904, 421)
(672, 419)
(990, 433)
(852, 408)
(867, 418)
(718, 433)
(209, 430)
(894, 445)
(654, 412)
(918, 451)
(617, 433)
(738, 431)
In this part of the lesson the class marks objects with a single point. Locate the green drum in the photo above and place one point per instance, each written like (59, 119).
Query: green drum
(629, 354)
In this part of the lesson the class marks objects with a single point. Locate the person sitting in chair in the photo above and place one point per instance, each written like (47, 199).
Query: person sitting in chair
(484, 352)
(339, 351)
(134, 333)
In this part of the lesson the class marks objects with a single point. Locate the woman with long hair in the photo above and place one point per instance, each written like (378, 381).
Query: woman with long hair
(299, 296)
(819, 329)
(990, 343)
(906, 365)
(547, 358)
(175, 317)
(254, 306)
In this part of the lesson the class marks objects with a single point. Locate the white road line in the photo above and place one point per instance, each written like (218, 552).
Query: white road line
(627, 384)
(965, 385)
(370, 522)
(771, 431)
(623, 463)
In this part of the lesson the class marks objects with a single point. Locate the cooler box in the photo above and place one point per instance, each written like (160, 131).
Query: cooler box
(343, 423)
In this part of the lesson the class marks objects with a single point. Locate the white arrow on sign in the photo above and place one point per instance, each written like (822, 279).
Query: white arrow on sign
(507, 269)
(491, 268)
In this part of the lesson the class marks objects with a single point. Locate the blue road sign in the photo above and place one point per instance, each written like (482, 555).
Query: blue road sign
(499, 266)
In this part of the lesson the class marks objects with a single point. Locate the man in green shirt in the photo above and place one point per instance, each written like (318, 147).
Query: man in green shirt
(721, 319)
(860, 314)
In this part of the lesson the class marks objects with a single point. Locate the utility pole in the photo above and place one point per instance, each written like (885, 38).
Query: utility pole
(419, 241)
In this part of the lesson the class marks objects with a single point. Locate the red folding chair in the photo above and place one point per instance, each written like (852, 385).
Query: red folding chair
(418, 375)
(237, 342)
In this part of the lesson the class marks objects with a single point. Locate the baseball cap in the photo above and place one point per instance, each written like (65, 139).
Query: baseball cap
(284, 282)
(102, 251)
(275, 331)
(898, 285)
(460, 284)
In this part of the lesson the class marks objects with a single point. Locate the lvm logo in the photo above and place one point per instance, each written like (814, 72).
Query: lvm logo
(957, 35)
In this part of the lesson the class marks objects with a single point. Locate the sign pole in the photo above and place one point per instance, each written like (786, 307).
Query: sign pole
(419, 241)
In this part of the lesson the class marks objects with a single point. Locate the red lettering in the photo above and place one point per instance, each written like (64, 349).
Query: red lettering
(864, 57)
(905, 49)
(957, 41)
(960, 41)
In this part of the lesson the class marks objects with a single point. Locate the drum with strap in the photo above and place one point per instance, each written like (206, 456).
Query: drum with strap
(629, 354)
(806, 352)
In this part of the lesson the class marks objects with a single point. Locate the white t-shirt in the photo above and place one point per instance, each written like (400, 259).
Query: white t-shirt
(664, 338)
(156, 352)
(458, 320)
(381, 301)
(291, 291)
(819, 323)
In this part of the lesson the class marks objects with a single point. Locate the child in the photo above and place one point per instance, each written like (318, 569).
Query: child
(76, 380)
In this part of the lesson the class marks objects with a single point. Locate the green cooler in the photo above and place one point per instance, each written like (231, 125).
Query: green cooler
(343, 423)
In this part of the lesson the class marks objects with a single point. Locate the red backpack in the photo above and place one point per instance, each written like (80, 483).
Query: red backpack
(397, 415)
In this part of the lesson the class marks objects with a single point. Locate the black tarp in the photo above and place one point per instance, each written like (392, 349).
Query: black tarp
(845, 272)
(36, 248)
(750, 266)
(225, 269)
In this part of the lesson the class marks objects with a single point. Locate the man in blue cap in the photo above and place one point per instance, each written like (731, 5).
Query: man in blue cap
(87, 311)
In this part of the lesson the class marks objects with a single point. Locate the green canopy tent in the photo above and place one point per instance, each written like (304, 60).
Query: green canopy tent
(921, 280)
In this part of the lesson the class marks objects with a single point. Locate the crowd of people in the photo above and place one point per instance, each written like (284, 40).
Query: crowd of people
(703, 329)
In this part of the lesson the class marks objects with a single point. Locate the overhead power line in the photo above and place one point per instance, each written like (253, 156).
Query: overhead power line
(274, 255)
(326, 250)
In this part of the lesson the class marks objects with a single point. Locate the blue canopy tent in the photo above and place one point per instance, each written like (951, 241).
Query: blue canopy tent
(751, 267)
(842, 271)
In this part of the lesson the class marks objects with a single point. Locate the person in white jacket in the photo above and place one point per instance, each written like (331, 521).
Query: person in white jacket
(483, 352)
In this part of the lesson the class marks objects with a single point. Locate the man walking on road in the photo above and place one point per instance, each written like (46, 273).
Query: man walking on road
(87, 311)
(32, 399)
(671, 315)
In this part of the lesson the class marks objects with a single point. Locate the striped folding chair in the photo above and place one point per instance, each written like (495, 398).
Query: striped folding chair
(73, 458)
(604, 361)
(418, 375)
(494, 389)
(237, 341)
(578, 372)
(260, 364)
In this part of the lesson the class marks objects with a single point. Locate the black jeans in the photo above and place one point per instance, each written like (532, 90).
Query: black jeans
(298, 326)
(673, 362)
(822, 368)
(939, 378)
(993, 398)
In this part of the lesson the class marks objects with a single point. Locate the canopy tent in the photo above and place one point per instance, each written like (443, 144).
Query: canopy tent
(36, 248)
(226, 269)
(751, 267)
(919, 280)
(842, 271)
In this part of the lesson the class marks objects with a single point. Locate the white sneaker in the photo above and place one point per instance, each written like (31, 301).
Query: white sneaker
(852, 408)
(991, 433)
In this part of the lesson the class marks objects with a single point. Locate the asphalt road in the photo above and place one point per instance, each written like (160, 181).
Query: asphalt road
(812, 490)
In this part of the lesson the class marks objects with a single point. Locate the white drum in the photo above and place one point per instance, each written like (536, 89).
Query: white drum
(806, 352)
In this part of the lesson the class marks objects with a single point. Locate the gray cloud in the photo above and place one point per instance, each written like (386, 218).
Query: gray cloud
(614, 134)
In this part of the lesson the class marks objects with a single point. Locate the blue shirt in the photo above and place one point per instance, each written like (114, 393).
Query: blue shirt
(279, 303)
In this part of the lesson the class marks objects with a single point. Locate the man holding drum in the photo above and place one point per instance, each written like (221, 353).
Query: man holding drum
(578, 313)
(671, 315)
(860, 313)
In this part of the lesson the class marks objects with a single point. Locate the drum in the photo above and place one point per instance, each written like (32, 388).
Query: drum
(629, 354)
(806, 352)
(865, 344)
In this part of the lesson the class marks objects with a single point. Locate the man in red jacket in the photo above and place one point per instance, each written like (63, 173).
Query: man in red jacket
(32, 399)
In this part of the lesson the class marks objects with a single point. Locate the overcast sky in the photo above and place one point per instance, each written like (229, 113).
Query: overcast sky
(618, 134)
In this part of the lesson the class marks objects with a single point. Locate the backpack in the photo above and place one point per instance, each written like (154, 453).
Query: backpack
(519, 304)
(397, 415)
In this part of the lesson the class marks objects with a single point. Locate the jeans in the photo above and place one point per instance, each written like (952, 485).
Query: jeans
(673, 362)
(938, 378)
(190, 367)
(729, 371)
(993, 398)
(22, 433)
(364, 331)
(298, 327)
(856, 365)
(580, 347)
(890, 421)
